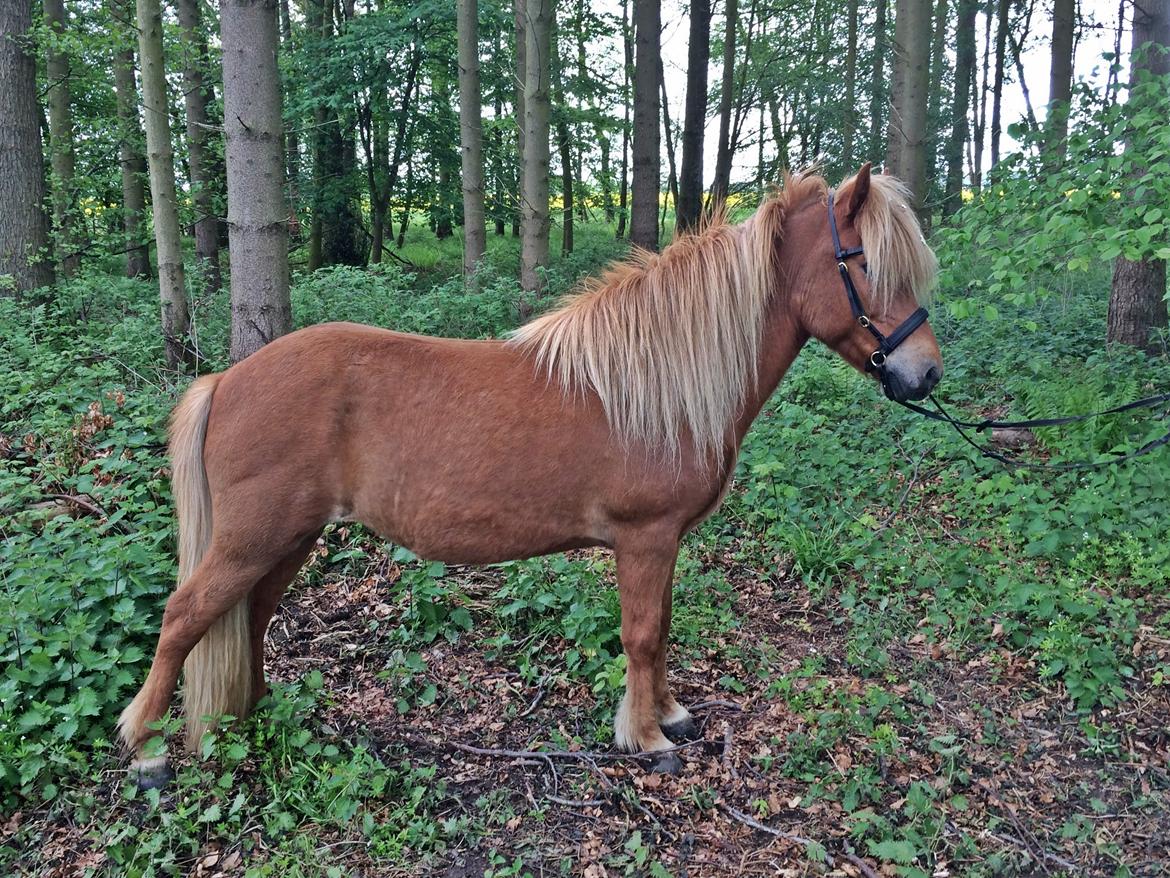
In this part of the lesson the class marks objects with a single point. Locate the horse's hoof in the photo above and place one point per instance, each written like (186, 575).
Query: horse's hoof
(683, 731)
(666, 763)
(152, 774)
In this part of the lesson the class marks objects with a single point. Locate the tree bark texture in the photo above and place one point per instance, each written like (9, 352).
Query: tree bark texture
(196, 97)
(877, 95)
(627, 71)
(534, 230)
(471, 136)
(132, 160)
(964, 75)
(906, 157)
(1002, 22)
(690, 181)
(722, 181)
(161, 161)
(257, 215)
(1060, 74)
(647, 128)
(66, 220)
(1137, 297)
(849, 123)
(24, 227)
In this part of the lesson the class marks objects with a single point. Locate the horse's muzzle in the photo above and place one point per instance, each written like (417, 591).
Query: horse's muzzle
(902, 387)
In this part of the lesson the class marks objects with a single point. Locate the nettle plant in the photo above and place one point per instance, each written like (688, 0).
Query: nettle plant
(1040, 220)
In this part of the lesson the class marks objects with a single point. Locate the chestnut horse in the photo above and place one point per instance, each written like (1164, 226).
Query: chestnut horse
(613, 421)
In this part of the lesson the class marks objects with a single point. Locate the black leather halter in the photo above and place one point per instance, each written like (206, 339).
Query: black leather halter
(886, 343)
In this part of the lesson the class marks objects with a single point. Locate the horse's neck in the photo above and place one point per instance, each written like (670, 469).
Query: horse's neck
(782, 341)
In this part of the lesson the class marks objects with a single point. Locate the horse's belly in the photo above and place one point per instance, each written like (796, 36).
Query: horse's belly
(471, 529)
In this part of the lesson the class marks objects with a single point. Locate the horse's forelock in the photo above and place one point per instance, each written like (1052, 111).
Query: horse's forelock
(897, 256)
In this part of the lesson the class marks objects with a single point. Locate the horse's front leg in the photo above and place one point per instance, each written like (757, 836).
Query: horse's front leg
(674, 719)
(645, 568)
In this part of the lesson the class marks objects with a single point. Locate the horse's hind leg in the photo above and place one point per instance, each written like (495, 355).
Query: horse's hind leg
(217, 585)
(265, 598)
(675, 720)
(645, 567)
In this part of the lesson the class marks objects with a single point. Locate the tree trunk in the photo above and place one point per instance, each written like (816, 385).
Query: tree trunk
(171, 283)
(534, 190)
(471, 136)
(877, 96)
(627, 69)
(564, 143)
(292, 142)
(668, 139)
(979, 91)
(133, 163)
(65, 215)
(964, 74)
(690, 183)
(647, 143)
(257, 217)
(196, 97)
(906, 156)
(722, 182)
(1137, 298)
(1060, 76)
(24, 228)
(849, 123)
(934, 91)
(521, 15)
(1003, 13)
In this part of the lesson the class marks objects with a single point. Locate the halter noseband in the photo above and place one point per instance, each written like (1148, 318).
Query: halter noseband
(886, 343)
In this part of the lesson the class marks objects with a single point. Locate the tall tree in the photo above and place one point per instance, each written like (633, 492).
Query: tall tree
(24, 228)
(877, 102)
(257, 215)
(471, 136)
(520, 29)
(849, 122)
(1060, 74)
(964, 76)
(906, 155)
(196, 97)
(161, 160)
(722, 181)
(1137, 297)
(1002, 23)
(538, 16)
(627, 71)
(690, 183)
(132, 160)
(61, 148)
(564, 142)
(647, 131)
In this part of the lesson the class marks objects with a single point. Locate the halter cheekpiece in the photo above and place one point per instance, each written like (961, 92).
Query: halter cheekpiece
(886, 343)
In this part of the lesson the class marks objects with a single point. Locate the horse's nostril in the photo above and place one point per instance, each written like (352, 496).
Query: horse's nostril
(932, 376)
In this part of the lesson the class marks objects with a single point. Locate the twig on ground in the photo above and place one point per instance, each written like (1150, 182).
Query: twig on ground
(535, 701)
(715, 702)
(88, 506)
(865, 868)
(575, 803)
(727, 751)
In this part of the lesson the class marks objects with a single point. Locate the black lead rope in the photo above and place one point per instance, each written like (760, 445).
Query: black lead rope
(989, 452)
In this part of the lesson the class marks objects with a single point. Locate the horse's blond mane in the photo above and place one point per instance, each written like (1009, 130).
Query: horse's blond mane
(671, 341)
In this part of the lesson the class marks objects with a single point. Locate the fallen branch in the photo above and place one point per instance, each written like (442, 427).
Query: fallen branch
(715, 702)
(807, 843)
(92, 508)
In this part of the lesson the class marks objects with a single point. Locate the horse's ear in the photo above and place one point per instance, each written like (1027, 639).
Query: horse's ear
(860, 189)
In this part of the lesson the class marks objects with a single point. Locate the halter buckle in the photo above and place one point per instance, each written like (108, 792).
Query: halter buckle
(877, 359)
(864, 321)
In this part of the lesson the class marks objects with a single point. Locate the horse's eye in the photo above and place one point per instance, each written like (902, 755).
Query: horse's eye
(865, 268)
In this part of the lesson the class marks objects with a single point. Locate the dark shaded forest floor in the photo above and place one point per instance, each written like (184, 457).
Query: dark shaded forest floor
(1000, 773)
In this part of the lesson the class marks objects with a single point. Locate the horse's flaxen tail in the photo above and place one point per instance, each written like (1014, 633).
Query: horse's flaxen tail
(217, 672)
